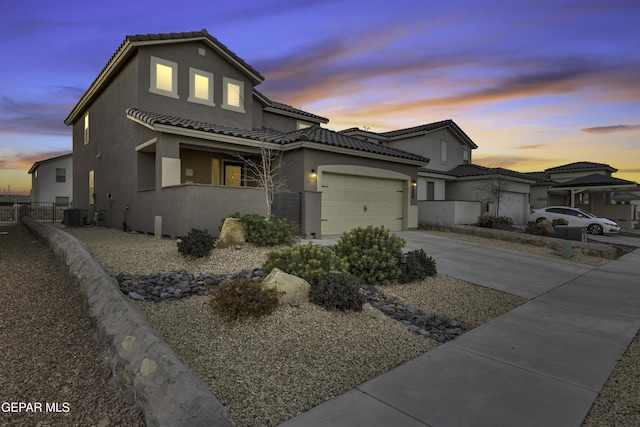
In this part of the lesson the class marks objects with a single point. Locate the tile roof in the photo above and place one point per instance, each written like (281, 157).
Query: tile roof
(314, 134)
(540, 177)
(429, 127)
(581, 166)
(290, 109)
(471, 170)
(595, 179)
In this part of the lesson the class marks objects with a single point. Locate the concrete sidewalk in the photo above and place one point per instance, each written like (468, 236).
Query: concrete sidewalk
(542, 364)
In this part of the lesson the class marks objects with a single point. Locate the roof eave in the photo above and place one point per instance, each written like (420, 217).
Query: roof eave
(314, 119)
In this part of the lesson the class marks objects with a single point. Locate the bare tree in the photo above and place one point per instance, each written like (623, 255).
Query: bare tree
(264, 170)
(493, 192)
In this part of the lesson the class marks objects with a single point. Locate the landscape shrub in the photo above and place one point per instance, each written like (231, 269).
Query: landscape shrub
(197, 243)
(237, 299)
(417, 266)
(488, 220)
(338, 291)
(263, 231)
(372, 253)
(537, 229)
(312, 263)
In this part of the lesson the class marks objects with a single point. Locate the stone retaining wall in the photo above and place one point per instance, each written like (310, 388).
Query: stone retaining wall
(168, 392)
(600, 250)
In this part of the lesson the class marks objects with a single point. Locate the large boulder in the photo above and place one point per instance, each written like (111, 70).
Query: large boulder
(291, 289)
(232, 234)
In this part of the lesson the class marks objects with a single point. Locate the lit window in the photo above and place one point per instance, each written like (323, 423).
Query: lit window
(61, 175)
(85, 136)
(233, 94)
(164, 77)
(443, 152)
(92, 187)
(200, 87)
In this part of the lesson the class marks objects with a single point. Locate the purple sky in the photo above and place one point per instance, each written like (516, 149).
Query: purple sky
(534, 84)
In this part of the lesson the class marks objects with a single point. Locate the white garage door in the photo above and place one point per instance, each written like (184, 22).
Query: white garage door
(350, 201)
(513, 206)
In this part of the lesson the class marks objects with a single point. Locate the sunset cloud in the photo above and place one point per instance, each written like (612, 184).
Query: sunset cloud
(612, 129)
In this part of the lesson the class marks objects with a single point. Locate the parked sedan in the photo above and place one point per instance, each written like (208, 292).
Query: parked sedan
(577, 218)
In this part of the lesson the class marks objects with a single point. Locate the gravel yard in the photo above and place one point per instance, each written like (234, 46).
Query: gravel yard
(48, 354)
(268, 370)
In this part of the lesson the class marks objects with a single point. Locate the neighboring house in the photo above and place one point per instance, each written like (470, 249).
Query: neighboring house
(159, 134)
(589, 186)
(52, 180)
(452, 189)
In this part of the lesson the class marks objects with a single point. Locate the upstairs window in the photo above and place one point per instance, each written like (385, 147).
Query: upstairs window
(164, 77)
(233, 95)
(200, 87)
(61, 175)
(85, 135)
(466, 154)
(444, 156)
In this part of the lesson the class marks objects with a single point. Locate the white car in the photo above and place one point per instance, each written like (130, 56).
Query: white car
(577, 218)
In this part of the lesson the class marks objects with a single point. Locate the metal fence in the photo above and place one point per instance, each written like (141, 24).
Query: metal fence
(289, 206)
(11, 212)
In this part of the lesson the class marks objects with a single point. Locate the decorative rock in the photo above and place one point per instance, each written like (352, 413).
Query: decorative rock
(292, 289)
(232, 234)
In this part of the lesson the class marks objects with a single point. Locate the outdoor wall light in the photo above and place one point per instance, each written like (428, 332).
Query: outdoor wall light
(414, 184)
(313, 173)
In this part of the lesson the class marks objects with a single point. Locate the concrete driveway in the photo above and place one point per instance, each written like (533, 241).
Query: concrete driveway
(517, 273)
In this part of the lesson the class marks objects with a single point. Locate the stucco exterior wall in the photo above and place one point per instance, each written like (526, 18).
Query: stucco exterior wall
(428, 145)
(448, 211)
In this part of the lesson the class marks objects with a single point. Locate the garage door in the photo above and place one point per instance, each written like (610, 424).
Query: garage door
(350, 201)
(513, 205)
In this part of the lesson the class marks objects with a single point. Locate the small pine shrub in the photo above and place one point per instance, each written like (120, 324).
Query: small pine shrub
(238, 299)
(197, 243)
(417, 266)
(560, 221)
(312, 263)
(372, 253)
(338, 291)
(485, 220)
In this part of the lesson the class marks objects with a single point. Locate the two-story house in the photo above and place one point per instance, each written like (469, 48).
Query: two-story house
(52, 180)
(451, 189)
(163, 133)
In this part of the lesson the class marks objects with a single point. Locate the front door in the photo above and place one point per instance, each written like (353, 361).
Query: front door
(232, 175)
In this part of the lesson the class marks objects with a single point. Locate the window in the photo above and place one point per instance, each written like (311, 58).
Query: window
(233, 94)
(431, 190)
(465, 157)
(164, 77)
(444, 158)
(85, 135)
(92, 188)
(62, 201)
(200, 87)
(61, 175)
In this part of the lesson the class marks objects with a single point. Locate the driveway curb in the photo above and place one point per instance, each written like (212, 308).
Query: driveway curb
(168, 392)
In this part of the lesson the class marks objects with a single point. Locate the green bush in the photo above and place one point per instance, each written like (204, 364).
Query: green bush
(417, 266)
(197, 243)
(537, 229)
(238, 299)
(312, 263)
(372, 253)
(338, 291)
(265, 232)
